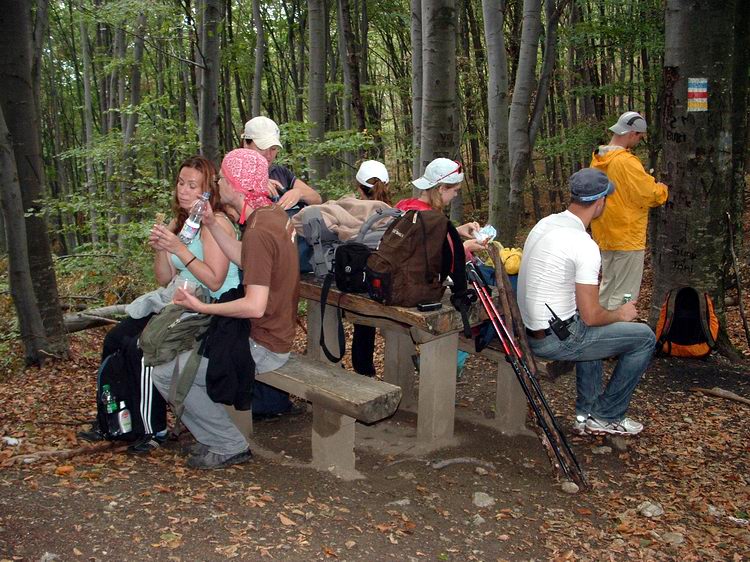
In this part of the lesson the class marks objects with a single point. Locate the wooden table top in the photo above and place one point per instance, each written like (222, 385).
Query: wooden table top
(436, 322)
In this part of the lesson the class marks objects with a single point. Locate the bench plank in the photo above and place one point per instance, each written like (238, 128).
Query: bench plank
(335, 389)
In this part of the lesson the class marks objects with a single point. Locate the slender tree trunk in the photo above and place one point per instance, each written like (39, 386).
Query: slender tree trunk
(691, 232)
(17, 95)
(209, 116)
(352, 61)
(518, 122)
(260, 55)
(439, 126)
(88, 120)
(416, 86)
(316, 87)
(19, 272)
(497, 115)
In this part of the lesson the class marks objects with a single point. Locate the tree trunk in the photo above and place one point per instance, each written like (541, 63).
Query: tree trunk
(518, 122)
(316, 87)
(497, 114)
(209, 115)
(19, 275)
(88, 134)
(706, 45)
(416, 86)
(351, 60)
(260, 55)
(439, 126)
(17, 97)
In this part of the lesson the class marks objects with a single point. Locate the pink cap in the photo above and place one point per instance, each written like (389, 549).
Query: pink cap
(247, 172)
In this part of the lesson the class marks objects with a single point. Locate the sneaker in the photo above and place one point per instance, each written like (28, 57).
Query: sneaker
(209, 460)
(147, 444)
(625, 426)
(579, 425)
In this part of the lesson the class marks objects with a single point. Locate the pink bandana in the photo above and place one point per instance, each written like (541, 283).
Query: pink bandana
(247, 172)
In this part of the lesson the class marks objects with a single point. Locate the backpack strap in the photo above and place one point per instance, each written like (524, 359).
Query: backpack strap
(669, 303)
(460, 297)
(342, 341)
(372, 219)
(705, 319)
(183, 379)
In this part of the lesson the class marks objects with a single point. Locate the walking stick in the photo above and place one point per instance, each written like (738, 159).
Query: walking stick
(554, 441)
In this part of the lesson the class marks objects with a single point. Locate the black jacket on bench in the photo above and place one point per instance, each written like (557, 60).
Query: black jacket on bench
(231, 370)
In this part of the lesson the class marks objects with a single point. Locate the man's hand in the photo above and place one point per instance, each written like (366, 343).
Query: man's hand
(185, 299)
(208, 218)
(627, 312)
(290, 199)
(274, 188)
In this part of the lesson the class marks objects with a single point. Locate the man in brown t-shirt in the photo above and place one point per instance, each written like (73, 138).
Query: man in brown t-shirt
(268, 256)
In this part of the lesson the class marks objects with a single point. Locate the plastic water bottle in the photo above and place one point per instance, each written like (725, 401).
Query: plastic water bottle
(627, 297)
(193, 222)
(123, 417)
(110, 406)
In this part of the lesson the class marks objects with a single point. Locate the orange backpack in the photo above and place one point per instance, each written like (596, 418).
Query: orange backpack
(688, 325)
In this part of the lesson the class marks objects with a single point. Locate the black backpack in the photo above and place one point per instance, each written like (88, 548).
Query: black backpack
(123, 371)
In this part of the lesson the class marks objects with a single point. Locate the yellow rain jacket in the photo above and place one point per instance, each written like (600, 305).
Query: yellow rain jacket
(622, 225)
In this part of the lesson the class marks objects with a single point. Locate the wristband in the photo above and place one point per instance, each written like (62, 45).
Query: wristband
(190, 261)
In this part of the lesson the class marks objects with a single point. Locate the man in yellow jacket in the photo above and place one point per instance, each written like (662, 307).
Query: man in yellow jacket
(620, 231)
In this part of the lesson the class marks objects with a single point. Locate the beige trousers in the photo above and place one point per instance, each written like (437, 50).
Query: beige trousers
(621, 274)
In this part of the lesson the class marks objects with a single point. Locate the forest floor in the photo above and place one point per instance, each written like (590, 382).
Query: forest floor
(496, 499)
(691, 460)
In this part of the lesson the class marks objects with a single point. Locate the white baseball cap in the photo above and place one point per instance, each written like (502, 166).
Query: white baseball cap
(629, 121)
(440, 170)
(371, 169)
(264, 132)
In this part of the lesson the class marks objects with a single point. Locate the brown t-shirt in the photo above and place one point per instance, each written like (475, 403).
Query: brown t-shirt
(269, 258)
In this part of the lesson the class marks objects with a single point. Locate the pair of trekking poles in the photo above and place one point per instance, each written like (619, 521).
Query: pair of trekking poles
(554, 441)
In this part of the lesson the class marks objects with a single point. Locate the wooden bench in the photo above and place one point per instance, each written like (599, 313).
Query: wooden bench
(339, 398)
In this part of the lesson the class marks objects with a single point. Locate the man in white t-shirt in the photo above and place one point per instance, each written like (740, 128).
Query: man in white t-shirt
(560, 273)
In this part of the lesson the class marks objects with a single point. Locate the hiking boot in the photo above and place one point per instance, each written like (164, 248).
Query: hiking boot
(579, 425)
(209, 460)
(625, 426)
(146, 444)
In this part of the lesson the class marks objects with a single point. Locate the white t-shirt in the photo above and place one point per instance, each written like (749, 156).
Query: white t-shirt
(558, 253)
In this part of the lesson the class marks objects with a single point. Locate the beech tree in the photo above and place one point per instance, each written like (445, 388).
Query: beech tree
(704, 122)
(20, 50)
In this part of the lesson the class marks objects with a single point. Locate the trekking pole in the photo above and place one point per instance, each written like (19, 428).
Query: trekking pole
(556, 445)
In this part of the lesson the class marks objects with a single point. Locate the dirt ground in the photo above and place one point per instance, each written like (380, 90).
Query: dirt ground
(691, 460)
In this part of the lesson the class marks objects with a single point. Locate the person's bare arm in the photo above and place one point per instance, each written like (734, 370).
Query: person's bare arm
(252, 305)
(224, 236)
(593, 314)
(300, 191)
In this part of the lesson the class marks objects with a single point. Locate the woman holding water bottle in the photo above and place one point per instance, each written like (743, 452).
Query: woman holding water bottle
(201, 261)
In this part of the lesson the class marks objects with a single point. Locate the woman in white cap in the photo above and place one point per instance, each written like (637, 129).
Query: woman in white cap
(439, 185)
(372, 183)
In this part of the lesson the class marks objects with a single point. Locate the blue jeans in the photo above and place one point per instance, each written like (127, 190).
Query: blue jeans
(632, 343)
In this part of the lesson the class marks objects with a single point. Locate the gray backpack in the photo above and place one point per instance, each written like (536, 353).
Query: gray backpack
(324, 242)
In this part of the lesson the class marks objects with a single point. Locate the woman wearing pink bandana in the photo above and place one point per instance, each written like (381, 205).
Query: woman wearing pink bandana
(268, 258)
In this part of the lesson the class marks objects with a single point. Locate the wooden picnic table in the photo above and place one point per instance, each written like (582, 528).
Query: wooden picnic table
(436, 333)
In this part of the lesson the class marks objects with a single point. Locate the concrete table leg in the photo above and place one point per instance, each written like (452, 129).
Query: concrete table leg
(333, 442)
(510, 402)
(437, 389)
(331, 322)
(399, 368)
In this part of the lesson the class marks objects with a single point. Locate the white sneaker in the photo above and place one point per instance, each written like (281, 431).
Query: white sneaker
(579, 425)
(625, 426)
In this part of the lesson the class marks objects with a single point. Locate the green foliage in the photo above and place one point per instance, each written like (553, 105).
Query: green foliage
(577, 141)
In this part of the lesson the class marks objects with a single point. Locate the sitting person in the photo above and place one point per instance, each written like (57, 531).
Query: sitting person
(291, 193)
(201, 262)
(560, 273)
(371, 183)
(268, 255)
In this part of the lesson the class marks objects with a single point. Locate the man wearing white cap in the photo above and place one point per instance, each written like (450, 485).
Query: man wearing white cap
(620, 231)
(263, 135)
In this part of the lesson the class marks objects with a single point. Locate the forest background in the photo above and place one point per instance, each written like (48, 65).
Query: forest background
(101, 99)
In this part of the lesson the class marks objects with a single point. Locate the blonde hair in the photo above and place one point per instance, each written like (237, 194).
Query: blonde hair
(435, 198)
